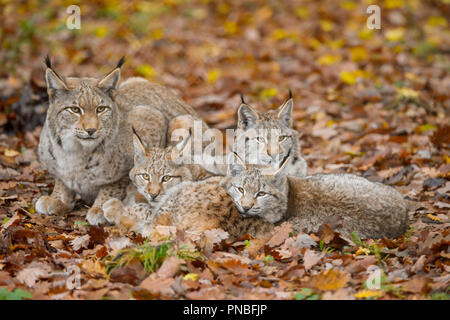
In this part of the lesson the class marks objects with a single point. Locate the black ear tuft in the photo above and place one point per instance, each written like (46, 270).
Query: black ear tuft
(134, 130)
(48, 62)
(121, 62)
(242, 98)
(290, 93)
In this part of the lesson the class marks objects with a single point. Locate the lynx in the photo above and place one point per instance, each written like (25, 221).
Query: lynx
(351, 203)
(370, 209)
(164, 193)
(268, 137)
(86, 141)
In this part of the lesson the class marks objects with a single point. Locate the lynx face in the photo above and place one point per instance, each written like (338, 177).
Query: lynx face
(82, 112)
(155, 171)
(255, 194)
(267, 137)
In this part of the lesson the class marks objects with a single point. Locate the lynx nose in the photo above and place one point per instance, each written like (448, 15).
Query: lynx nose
(246, 208)
(153, 195)
(91, 131)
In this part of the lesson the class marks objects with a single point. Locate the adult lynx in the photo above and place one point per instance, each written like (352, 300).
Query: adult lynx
(86, 141)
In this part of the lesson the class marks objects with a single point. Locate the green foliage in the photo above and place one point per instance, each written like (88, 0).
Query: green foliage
(151, 256)
(440, 296)
(268, 259)
(17, 294)
(306, 294)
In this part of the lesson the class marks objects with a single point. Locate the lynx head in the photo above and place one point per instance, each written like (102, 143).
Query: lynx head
(258, 191)
(266, 136)
(82, 111)
(156, 170)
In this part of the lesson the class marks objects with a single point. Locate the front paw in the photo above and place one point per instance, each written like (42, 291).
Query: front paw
(49, 205)
(95, 216)
(112, 209)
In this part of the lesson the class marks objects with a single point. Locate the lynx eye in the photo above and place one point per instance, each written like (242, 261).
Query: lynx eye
(260, 139)
(282, 138)
(74, 109)
(145, 176)
(241, 190)
(100, 109)
(166, 178)
(261, 194)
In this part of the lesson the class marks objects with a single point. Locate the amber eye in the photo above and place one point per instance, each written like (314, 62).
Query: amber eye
(261, 194)
(282, 138)
(100, 109)
(260, 140)
(145, 176)
(166, 178)
(241, 190)
(75, 109)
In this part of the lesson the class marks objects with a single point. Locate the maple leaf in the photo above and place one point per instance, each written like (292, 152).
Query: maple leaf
(331, 279)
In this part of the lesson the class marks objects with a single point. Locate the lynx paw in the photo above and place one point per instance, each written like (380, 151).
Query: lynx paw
(49, 205)
(112, 210)
(95, 216)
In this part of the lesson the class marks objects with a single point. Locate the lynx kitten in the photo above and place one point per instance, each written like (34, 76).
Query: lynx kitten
(370, 209)
(86, 140)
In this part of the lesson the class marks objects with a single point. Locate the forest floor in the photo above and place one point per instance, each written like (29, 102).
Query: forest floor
(369, 102)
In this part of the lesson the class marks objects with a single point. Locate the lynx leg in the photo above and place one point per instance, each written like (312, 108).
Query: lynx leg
(60, 201)
(115, 190)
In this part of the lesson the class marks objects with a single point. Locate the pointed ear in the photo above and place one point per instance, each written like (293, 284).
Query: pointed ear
(285, 113)
(247, 116)
(53, 80)
(110, 81)
(237, 166)
(139, 148)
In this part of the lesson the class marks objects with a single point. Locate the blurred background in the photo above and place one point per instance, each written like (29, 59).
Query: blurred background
(348, 81)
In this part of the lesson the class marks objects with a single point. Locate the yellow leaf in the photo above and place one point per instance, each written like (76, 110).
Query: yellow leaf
(213, 75)
(326, 25)
(157, 34)
(362, 250)
(11, 153)
(230, 27)
(191, 276)
(407, 93)
(302, 12)
(328, 59)
(447, 159)
(268, 93)
(331, 279)
(395, 35)
(100, 32)
(366, 34)
(146, 70)
(348, 5)
(350, 77)
(426, 127)
(369, 294)
(358, 54)
(336, 44)
(437, 21)
(314, 43)
(392, 4)
(432, 217)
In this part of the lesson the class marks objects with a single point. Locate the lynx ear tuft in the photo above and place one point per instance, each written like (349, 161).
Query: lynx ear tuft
(242, 98)
(237, 166)
(48, 62)
(139, 148)
(121, 62)
(110, 81)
